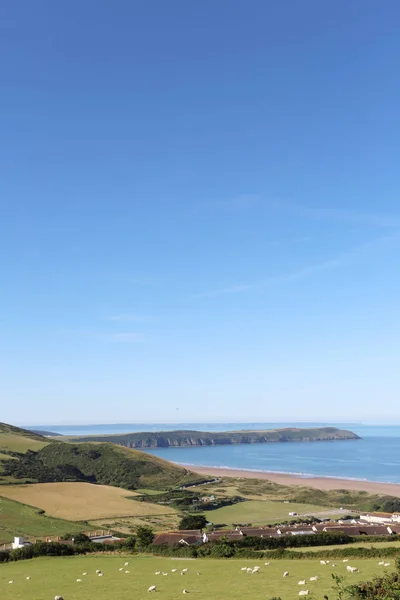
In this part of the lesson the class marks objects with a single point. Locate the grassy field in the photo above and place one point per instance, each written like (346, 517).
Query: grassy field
(82, 501)
(20, 519)
(221, 579)
(376, 545)
(19, 443)
(262, 512)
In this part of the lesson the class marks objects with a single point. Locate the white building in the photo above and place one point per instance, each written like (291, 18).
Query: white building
(380, 518)
(19, 543)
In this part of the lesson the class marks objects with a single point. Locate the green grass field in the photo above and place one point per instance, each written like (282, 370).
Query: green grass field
(262, 512)
(376, 545)
(21, 519)
(19, 443)
(219, 579)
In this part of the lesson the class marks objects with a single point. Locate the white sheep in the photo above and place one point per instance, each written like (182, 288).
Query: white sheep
(304, 592)
(78, 580)
(126, 564)
(345, 560)
(84, 573)
(184, 570)
(302, 582)
(157, 573)
(28, 578)
(243, 569)
(352, 569)
(267, 564)
(11, 581)
(98, 571)
(185, 592)
(322, 562)
(387, 564)
(152, 588)
(100, 574)
(172, 571)
(165, 574)
(127, 572)
(381, 563)
(315, 578)
(58, 598)
(286, 574)
(121, 569)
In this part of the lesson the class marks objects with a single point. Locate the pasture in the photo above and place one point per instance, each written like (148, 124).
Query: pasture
(222, 579)
(20, 519)
(20, 443)
(260, 512)
(80, 501)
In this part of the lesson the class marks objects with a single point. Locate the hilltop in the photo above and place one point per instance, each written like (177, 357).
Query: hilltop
(15, 439)
(165, 439)
(30, 457)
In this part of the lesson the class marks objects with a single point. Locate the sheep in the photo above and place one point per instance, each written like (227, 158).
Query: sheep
(304, 592)
(152, 588)
(302, 582)
(165, 574)
(387, 564)
(245, 568)
(98, 571)
(322, 562)
(255, 571)
(157, 573)
(333, 565)
(315, 578)
(11, 581)
(249, 570)
(122, 568)
(127, 572)
(78, 580)
(256, 568)
(172, 571)
(345, 560)
(267, 564)
(381, 563)
(198, 573)
(126, 564)
(58, 598)
(286, 574)
(84, 573)
(185, 592)
(184, 570)
(352, 569)
(100, 574)
(28, 578)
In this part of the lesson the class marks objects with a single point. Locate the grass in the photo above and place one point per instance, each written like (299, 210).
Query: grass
(20, 443)
(82, 501)
(376, 545)
(20, 519)
(263, 512)
(220, 579)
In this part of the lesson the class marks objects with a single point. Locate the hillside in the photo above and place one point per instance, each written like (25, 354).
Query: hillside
(107, 464)
(15, 439)
(164, 439)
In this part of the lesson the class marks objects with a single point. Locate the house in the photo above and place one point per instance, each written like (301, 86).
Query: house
(179, 538)
(380, 517)
(104, 539)
(19, 543)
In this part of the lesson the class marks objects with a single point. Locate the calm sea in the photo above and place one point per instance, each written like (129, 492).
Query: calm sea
(376, 457)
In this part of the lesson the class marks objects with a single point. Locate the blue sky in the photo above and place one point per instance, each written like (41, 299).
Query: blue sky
(199, 211)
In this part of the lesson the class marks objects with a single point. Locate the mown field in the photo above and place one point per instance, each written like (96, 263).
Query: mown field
(20, 519)
(262, 512)
(220, 579)
(82, 501)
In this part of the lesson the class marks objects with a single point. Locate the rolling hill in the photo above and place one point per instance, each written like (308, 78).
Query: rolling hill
(15, 439)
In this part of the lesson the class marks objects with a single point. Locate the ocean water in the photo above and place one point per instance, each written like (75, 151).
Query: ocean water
(376, 457)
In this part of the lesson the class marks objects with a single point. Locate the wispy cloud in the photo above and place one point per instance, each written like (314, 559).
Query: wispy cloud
(342, 260)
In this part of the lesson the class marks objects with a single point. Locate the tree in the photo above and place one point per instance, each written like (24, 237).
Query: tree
(193, 522)
(81, 538)
(144, 536)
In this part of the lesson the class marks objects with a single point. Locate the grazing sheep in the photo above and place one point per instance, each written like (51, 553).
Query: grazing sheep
(387, 564)
(302, 582)
(100, 574)
(352, 569)
(256, 568)
(174, 570)
(165, 574)
(157, 573)
(345, 560)
(185, 592)
(126, 564)
(286, 574)
(243, 569)
(267, 564)
(315, 578)
(322, 562)
(333, 565)
(84, 573)
(121, 569)
(381, 563)
(198, 573)
(152, 588)
(28, 578)
(58, 598)
(78, 580)
(98, 571)
(304, 592)
(127, 571)
(184, 570)
(11, 581)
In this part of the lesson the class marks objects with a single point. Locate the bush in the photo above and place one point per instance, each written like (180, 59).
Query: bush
(193, 522)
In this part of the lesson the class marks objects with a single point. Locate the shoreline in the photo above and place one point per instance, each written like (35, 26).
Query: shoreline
(318, 482)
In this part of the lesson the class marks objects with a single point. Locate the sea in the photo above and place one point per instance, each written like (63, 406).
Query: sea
(375, 457)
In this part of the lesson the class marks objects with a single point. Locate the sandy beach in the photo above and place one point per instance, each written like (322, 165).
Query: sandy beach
(320, 483)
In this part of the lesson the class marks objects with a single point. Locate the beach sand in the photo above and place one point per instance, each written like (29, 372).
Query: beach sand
(320, 483)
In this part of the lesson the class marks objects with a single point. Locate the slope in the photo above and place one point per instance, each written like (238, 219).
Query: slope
(15, 439)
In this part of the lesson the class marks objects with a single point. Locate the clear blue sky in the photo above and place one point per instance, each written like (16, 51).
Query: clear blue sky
(199, 210)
